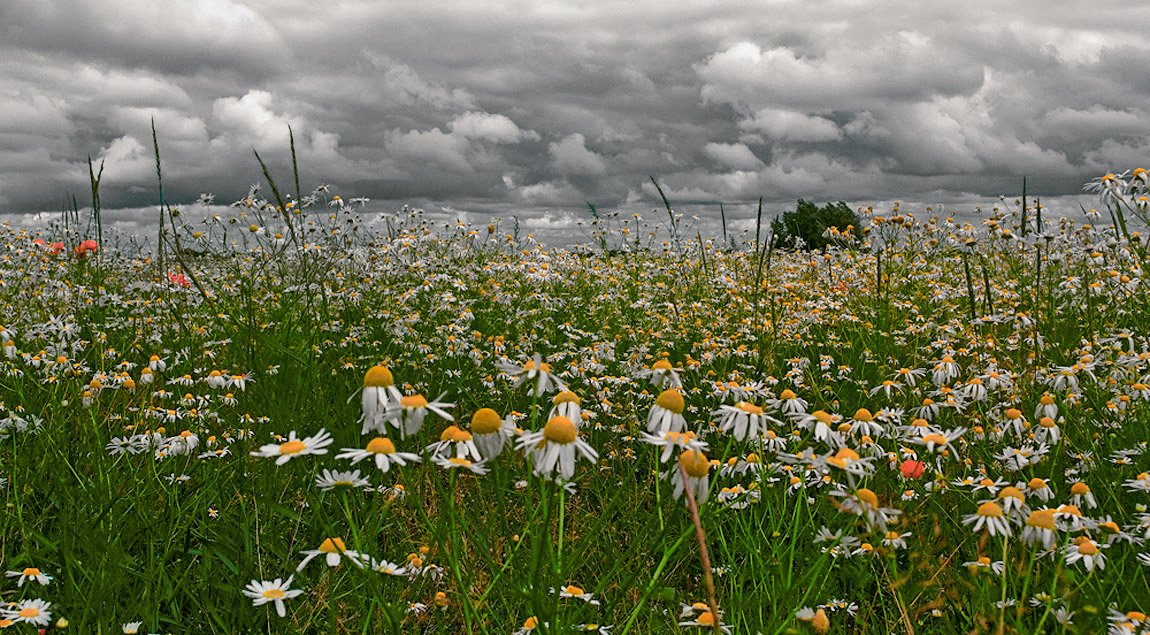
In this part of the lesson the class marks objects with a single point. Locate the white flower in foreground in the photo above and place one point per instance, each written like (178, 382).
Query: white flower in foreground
(407, 416)
(536, 371)
(382, 451)
(34, 611)
(28, 574)
(490, 433)
(698, 469)
(334, 551)
(554, 446)
(294, 447)
(379, 392)
(330, 480)
(263, 591)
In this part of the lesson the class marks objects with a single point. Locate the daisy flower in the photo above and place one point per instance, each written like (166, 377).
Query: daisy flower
(263, 591)
(330, 480)
(746, 419)
(333, 551)
(454, 463)
(984, 563)
(379, 392)
(667, 413)
(131, 628)
(455, 442)
(572, 591)
(407, 416)
(671, 441)
(534, 370)
(1081, 496)
(698, 469)
(991, 516)
(35, 611)
(816, 618)
(29, 574)
(294, 447)
(789, 403)
(566, 404)
(556, 445)
(382, 451)
(661, 375)
(1040, 527)
(1087, 551)
(389, 568)
(707, 620)
(490, 433)
(864, 503)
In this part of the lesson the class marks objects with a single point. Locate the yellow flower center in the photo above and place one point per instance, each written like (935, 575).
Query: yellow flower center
(706, 619)
(31, 571)
(823, 416)
(544, 367)
(1036, 484)
(566, 397)
(1013, 414)
(1047, 400)
(1042, 519)
(573, 590)
(381, 445)
(749, 408)
(413, 401)
(990, 509)
(662, 364)
(292, 447)
(788, 394)
(273, 594)
(332, 545)
(1012, 492)
(862, 414)
(936, 439)
(867, 496)
(670, 399)
(560, 430)
(485, 421)
(695, 463)
(843, 457)
(32, 611)
(1079, 489)
(1087, 548)
(378, 376)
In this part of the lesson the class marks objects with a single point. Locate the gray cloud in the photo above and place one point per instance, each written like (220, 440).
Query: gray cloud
(530, 108)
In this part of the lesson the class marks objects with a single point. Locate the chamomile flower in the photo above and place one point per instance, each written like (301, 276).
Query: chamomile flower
(667, 413)
(274, 591)
(379, 392)
(388, 568)
(455, 442)
(991, 516)
(459, 463)
(382, 451)
(330, 480)
(671, 441)
(746, 419)
(535, 371)
(1086, 551)
(490, 433)
(572, 591)
(556, 446)
(294, 446)
(566, 403)
(698, 469)
(983, 562)
(864, 503)
(34, 611)
(407, 416)
(707, 620)
(131, 628)
(334, 551)
(29, 574)
(662, 375)
(1081, 496)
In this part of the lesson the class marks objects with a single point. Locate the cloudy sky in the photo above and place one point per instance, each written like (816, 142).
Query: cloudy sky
(481, 109)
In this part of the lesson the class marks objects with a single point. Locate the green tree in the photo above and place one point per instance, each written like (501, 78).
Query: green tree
(809, 222)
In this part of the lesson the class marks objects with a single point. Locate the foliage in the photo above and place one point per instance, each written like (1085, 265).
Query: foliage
(809, 224)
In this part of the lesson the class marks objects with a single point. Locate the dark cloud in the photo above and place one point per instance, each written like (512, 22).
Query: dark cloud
(535, 109)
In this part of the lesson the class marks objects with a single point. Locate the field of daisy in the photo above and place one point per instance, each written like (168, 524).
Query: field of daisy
(288, 420)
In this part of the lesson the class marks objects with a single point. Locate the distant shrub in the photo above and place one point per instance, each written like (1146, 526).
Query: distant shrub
(809, 223)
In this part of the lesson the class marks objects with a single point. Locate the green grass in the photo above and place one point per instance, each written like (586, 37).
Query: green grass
(172, 541)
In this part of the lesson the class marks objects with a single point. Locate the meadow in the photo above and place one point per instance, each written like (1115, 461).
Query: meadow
(289, 420)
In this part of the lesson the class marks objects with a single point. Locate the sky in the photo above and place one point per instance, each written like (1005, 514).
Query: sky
(472, 109)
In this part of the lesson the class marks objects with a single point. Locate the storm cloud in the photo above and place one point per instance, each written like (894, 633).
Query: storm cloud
(538, 108)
